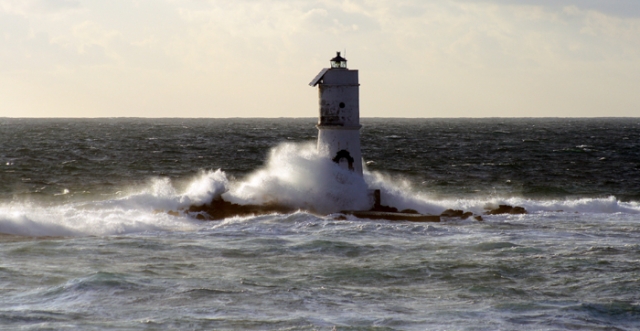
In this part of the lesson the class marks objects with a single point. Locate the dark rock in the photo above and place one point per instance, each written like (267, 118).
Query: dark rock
(219, 209)
(506, 209)
(383, 208)
(478, 218)
(456, 213)
(452, 213)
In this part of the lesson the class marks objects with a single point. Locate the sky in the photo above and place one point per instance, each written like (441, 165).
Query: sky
(255, 58)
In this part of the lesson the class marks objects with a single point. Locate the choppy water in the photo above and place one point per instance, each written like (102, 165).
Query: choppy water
(86, 244)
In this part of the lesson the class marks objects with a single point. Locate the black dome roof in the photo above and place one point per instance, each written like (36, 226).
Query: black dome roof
(338, 58)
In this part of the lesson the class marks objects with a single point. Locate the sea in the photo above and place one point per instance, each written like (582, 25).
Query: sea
(94, 233)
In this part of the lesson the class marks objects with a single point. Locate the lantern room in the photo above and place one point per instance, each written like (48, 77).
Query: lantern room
(338, 62)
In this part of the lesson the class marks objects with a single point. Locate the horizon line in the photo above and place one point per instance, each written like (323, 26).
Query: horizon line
(313, 117)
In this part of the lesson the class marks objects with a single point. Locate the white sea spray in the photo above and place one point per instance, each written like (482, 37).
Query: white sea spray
(207, 186)
(296, 176)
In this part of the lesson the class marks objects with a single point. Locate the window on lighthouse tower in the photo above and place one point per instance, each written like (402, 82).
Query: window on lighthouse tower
(339, 62)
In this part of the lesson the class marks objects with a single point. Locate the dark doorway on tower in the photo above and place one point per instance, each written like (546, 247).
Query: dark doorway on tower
(343, 157)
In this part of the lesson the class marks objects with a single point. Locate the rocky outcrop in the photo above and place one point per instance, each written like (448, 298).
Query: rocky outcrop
(219, 209)
(456, 213)
(506, 209)
(385, 209)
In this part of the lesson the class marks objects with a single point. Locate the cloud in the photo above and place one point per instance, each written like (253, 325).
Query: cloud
(30, 7)
(618, 8)
(421, 58)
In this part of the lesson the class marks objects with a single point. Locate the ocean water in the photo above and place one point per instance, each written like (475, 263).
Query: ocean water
(86, 242)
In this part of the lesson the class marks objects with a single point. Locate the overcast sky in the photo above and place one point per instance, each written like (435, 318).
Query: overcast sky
(254, 58)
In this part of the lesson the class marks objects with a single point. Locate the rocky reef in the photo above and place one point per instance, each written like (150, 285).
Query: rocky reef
(506, 209)
(219, 209)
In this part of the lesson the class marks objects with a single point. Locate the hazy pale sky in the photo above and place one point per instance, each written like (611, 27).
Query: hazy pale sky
(252, 58)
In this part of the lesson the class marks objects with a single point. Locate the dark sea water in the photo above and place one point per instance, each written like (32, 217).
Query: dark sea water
(86, 242)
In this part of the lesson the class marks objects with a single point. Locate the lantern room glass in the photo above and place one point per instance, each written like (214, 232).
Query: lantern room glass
(338, 62)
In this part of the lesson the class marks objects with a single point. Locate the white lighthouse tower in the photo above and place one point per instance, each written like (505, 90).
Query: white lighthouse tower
(339, 121)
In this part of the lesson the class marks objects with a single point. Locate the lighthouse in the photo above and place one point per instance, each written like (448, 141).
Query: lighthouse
(339, 118)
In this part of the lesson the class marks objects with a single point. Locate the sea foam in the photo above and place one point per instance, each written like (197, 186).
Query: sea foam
(27, 219)
(144, 210)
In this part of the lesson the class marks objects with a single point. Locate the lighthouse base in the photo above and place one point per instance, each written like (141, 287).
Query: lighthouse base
(342, 145)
